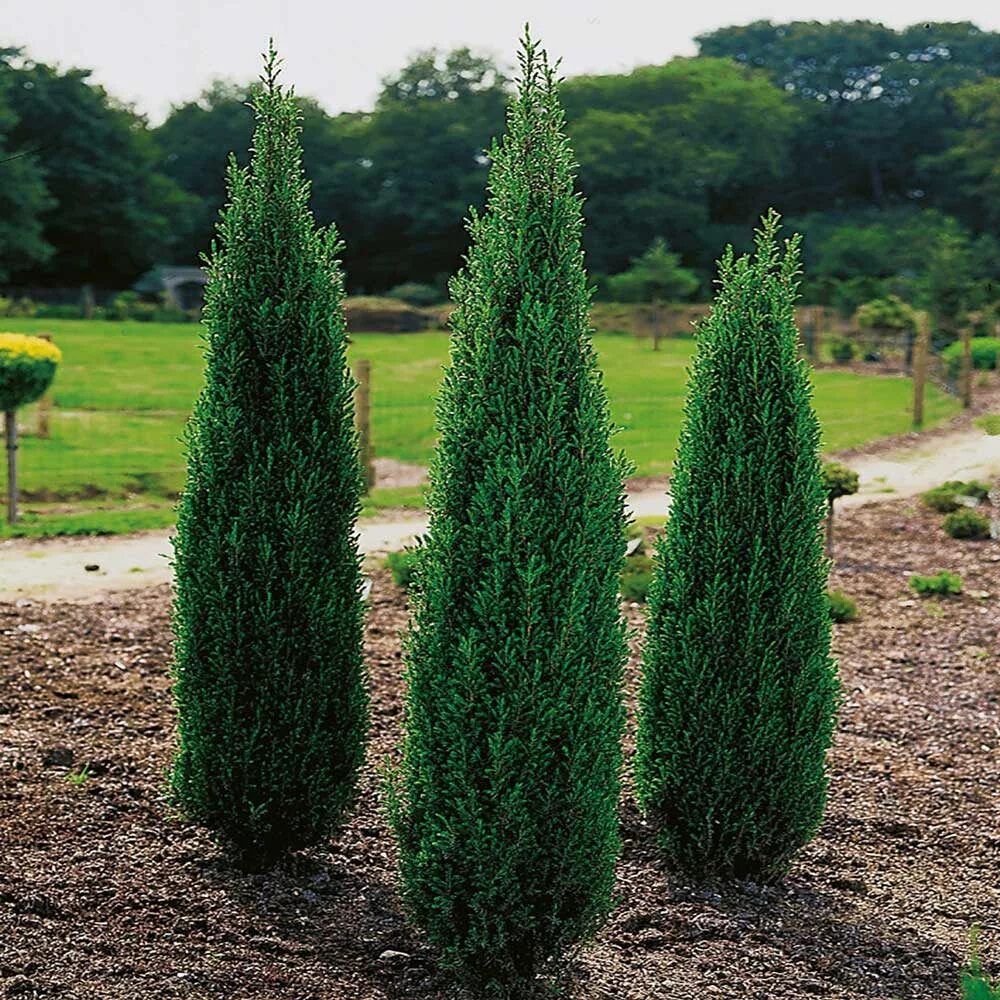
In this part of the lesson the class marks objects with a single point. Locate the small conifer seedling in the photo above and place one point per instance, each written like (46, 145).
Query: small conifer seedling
(269, 680)
(738, 693)
(506, 805)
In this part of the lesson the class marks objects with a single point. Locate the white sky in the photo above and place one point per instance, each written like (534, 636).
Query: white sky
(158, 52)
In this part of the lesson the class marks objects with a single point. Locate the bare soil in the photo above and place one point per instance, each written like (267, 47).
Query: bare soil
(106, 894)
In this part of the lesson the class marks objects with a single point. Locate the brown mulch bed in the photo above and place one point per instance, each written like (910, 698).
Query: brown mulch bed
(105, 893)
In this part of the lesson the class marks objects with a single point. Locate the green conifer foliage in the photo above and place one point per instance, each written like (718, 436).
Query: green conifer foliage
(739, 692)
(506, 810)
(269, 680)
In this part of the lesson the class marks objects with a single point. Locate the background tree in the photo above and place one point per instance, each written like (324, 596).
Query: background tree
(684, 151)
(426, 162)
(506, 811)
(966, 177)
(874, 99)
(23, 195)
(108, 213)
(269, 677)
(193, 146)
(738, 690)
(655, 276)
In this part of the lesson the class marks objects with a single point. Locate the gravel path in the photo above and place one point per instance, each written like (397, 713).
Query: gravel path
(56, 569)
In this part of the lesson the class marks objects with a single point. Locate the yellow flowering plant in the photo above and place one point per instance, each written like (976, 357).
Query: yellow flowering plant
(27, 367)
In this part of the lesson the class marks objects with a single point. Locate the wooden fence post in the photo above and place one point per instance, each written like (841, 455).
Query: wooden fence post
(10, 433)
(42, 428)
(965, 380)
(921, 348)
(362, 417)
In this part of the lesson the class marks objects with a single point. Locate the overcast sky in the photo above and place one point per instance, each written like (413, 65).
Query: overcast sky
(158, 53)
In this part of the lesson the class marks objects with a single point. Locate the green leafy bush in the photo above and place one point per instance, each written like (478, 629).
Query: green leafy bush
(403, 566)
(942, 582)
(967, 524)
(985, 355)
(58, 310)
(17, 307)
(976, 985)
(945, 498)
(636, 578)
(739, 691)
(842, 608)
(889, 313)
(269, 679)
(506, 807)
(843, 350)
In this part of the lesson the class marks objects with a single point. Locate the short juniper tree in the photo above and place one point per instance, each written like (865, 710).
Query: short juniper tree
(739, 692)
(269, 680)
(506, 808)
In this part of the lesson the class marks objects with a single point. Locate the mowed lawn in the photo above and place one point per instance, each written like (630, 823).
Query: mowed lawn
(124, 391)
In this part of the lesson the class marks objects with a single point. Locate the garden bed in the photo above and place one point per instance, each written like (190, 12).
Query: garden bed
(105, 893)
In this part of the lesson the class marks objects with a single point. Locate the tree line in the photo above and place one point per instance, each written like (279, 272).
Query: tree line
(879, 144)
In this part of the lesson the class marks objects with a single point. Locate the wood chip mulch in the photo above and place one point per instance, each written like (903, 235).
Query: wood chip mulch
(106, 894)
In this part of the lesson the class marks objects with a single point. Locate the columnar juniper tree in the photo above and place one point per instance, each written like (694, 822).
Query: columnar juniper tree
(739, 692)
(269, 678)
(506, 810)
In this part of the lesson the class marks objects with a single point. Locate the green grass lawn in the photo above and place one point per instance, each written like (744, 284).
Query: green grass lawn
(124, 391)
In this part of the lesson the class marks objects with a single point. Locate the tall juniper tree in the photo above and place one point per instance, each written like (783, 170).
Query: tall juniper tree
(269, 679)
(739, 692)
(506, 808)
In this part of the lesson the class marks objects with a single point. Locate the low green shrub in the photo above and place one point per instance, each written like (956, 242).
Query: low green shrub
(890, 313)
(985, 355)
(990, 423)
(17, 307)
(843, 350)
(945, 498)
(841, 607)
(967, 524)
(941, 582)
(403, 566)
(58, 310)
(975, 984)
(636, 578)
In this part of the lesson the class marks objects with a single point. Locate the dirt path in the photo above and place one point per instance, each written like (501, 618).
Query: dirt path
(56, 569)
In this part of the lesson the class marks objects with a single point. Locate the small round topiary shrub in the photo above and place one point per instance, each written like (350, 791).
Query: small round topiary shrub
(942, 582)
(967, 524)
(27, 367)
(839, 481)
